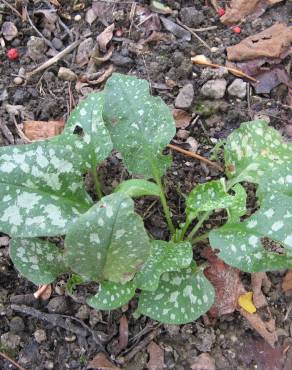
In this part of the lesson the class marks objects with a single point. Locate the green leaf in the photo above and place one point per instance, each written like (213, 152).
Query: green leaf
(213, 195)
(73, 281)
(41, 187)
(164, 257)
(112, 295)
(254, 149)
(138, 188)
(96, 142)
(108, 242)
(140, 125)
(243, 245)
(181, 297)
(38, 260)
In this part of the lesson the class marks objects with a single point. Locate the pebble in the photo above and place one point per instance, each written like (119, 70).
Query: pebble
(83, 312)
(58, 305)
(16, 324)
(40, 335)
(66, 74)
(120, 60)
(18, 80)
(57, 43)
(237, 88)
(36, 48)
(77, 18)
(185, 97)
(10, 340)
(214, 89)
(191, 17)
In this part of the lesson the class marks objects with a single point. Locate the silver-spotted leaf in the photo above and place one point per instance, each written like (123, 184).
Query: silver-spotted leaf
(140, 125)
(112, 295)
(38, 260)
(41, 187)
(138, 188)
(96, 143)
(164, 257)
(252, 150)
(261, 243)
(181, 297)
(108, 242)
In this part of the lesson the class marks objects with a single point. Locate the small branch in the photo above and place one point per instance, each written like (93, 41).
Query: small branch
(40, 291)
(197, 156)
(204, 29)
(194, 34)
(235, 71)
(10, 360)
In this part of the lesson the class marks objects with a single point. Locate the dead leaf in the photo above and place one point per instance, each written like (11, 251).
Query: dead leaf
(90, 16)
(259, 280)
(84, 52)
(156, 357)
(104, 11)
(158, 7)
(100, 362)
(203, 362)
(123, 333)
(287, 281)
(105, 37)
(41, 130)
(9, 31)
(105, 57)
(104, 76)
(177, 30)
(274, 42)
(182, 118)
(272, 78)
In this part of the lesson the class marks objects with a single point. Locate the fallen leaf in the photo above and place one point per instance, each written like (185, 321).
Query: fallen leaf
(105, 37)
(203, 362)
(274, 42)
(104, 11)
(259, 280)
(177, 30)
(50, 15)
(41, 130)
(84, 52)
(182, 118)
(100, 362)
(9, 31)
(245, 302)
(90, 16)
(104, 76)
(105, 57)
(123, 333)
(158, 7)
(287, 281)
(156, 357)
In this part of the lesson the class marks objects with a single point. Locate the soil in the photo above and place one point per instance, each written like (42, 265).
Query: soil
(38, 344)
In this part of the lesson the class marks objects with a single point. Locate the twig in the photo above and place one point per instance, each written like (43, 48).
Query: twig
(12, 361)
(40, 291)
(197, 156)
(235, 71)
(53, 60)
(12, 8)
(203, 29)
(194, 34)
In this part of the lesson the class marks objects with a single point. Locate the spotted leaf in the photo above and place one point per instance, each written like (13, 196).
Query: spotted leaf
(140, 125)
(41, 187)
(96, 143)
(261, 243)
(112, 295)
(108, 242)
(164, 257)
(38, 260)
(181, 297)
(137, 188)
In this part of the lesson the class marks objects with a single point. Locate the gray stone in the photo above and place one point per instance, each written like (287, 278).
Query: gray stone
(57, 43)
(191, 17)
(237, 88)
(214, 89)
(66, 74)
(119, 60)
(36, 48)
(40, 335)
(185, 97)
(10, 340)
(16, 324)
(83, 312)
(58, 305)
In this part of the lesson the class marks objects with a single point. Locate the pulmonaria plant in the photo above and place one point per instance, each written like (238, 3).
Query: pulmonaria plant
(43, 195)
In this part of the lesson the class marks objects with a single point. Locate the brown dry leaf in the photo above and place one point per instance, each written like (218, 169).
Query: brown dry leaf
(274, 42)
(203, 362)
(226, 282)
(90, 16)
(259, 280)
(287, 281)
(84, 52)
(105, 37)
(237, 10)
(123, 333)
(156, 357)
(41, 130)
(105, 57)
(105, 75)
(182, 118)
(9, 31)
(44, 292)
(104, 11)
(100, 362)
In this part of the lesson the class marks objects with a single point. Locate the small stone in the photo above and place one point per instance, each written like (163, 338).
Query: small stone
(57, 43)
(66, 74)
(10, 340)
(94, 317)
(120, 60)
(58, 305)
(185, 97)
(83, 312)
(18, 80)
(16, 324)
(36, 48)
(191, 17)
(214, 89)
(40, 335)
(70, 338)
(49, 365)
(214, 49)
(182, 134)
(77, 18)
(237, 88)
(288, 130)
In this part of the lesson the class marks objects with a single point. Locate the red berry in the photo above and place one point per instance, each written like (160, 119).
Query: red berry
(12, 54)
(236, 29)
(220, 12)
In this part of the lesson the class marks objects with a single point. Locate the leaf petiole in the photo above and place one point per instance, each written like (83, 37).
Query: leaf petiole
(97, 184)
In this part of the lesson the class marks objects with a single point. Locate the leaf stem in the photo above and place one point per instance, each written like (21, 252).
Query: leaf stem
(198, 225)
(97, 184)
(200, 238)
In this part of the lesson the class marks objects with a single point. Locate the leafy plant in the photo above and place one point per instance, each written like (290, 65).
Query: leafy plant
(105, 241)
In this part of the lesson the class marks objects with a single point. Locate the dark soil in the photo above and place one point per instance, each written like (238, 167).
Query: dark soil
(38, 344)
